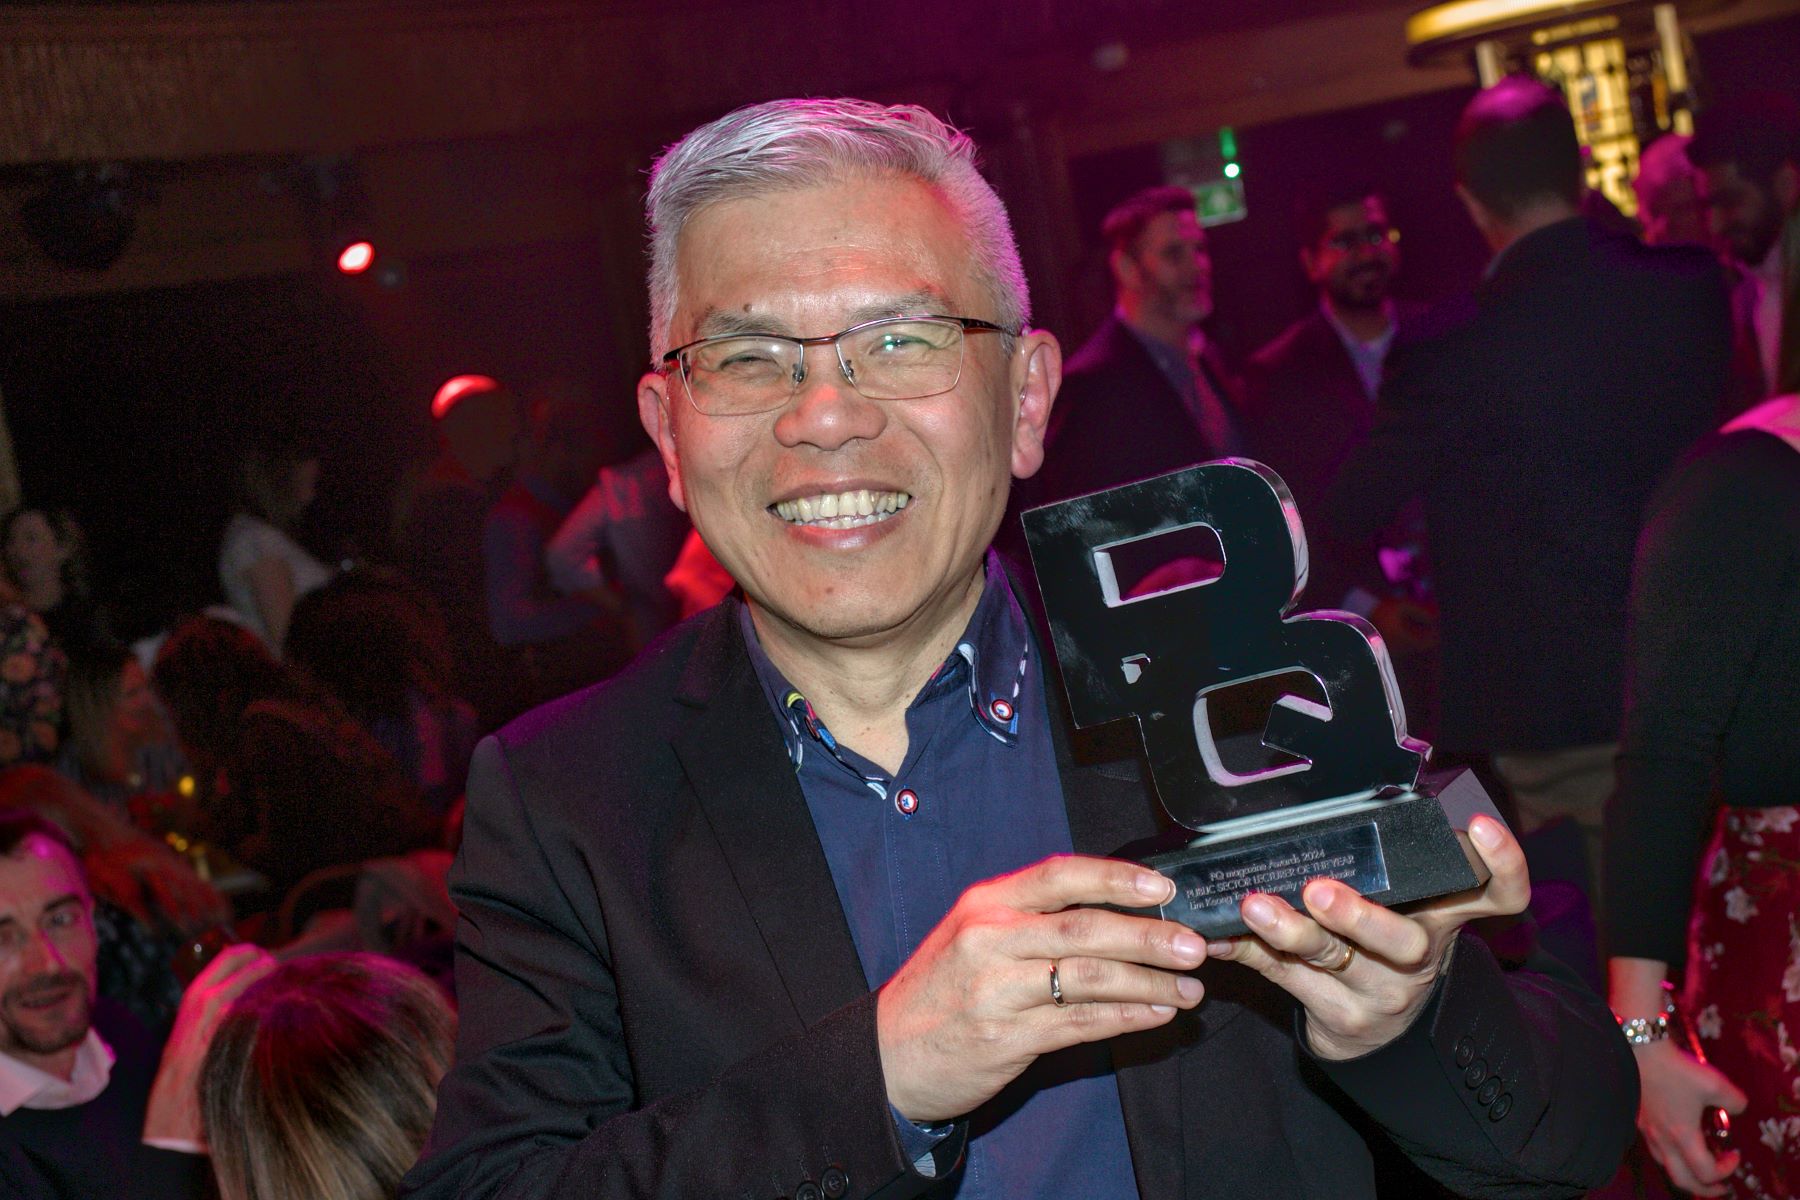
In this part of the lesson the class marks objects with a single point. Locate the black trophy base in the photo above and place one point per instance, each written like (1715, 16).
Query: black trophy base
(1393, 849)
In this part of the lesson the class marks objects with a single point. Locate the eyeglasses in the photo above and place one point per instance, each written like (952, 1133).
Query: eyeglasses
(1369, 235)
(892, 358)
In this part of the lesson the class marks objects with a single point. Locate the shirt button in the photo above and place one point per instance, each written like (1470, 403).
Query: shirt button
(808, 1191)
(1488, 1091)
(1501, 1107)
(1476, 1073)
(906, 802)
(1465, 1052)
(1002, 710)
(834, 1182)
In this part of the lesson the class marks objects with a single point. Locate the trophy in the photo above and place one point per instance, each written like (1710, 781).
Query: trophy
(1330, 785)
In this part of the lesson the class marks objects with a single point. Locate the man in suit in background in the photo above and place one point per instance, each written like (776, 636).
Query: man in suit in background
(1309, 400)
(1747, 151)
(1309, 395)
(794, 905)
(1534, 420)
(1149, 392)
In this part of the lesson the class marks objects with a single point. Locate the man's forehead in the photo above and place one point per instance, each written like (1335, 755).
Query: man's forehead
(37, 870)
(885, 246)
(1356, 212)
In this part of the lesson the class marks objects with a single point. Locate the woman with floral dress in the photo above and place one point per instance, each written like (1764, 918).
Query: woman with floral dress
(1709, 775)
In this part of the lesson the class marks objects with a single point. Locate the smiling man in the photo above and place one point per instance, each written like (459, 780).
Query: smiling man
(88, 1108)
(797, 905)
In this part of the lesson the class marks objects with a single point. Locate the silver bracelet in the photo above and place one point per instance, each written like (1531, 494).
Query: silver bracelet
(1641, 1031)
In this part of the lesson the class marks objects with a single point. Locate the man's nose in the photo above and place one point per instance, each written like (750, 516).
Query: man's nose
(826, 410)
(41, 953)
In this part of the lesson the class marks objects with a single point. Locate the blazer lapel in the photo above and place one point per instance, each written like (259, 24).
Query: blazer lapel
(737, 764)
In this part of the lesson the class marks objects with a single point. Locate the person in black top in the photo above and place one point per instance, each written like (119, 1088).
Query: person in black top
(1712, 721)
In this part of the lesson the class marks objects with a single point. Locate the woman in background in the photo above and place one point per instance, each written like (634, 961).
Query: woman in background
(321, 1081)
(262, 568)
(47, 561)
(120, 744)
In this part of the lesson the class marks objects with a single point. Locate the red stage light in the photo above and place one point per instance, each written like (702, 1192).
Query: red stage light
(456, 387)
(355, 258)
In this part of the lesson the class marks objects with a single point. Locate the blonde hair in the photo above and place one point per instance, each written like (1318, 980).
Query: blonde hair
(321, 1081)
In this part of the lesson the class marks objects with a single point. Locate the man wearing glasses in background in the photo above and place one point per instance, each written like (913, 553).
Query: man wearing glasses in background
(1309, 400)
(797, 904)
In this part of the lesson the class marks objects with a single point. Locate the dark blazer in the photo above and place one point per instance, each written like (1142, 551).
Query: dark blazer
(1304, 411)
(1534, 419)
(1117, 418)
(660, 995)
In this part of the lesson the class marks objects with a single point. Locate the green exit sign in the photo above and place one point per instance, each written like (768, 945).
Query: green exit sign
(1219, 201)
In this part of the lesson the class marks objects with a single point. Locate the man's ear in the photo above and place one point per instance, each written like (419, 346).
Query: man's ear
(1479, 213)
(653, 411)
(1787, 187)
(1124, 268)
(1309, 264)
(1035, 377)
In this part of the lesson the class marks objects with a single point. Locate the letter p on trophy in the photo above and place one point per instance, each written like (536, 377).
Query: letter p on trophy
(1277, 742)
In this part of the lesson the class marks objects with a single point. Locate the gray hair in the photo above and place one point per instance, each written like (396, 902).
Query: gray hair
(786, 145)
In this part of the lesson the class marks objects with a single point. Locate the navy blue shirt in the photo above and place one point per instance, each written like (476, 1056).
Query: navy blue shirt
(977, 796)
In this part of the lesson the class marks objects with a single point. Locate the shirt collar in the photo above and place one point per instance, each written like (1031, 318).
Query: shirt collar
(990, 662)
(1161, 350)
(1769, 269)
(24, 1086)
(1378, 346)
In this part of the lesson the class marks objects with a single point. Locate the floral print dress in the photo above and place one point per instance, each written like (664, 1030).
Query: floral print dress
(1743, 988)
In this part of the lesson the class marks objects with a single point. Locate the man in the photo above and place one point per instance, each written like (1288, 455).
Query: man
(439, 520)
(1149, 392)
(1668, 195)
(624, 534)
(87, 1111)
(723, 926)
(1534, 422)
(1748, 154)
(1309, 395)
(551, 643)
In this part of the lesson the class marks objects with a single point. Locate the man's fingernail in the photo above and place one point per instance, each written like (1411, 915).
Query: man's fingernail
(1162, 1010)
(1156, 887)
(1485, 832)
(1258, 910)
(1320, 899)
(1189, 987)
(1189, 945)
(1220, 948)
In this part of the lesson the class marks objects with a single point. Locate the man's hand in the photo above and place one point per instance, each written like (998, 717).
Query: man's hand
(1377, 991)
(174, 1110)
(1677, 1090)
(973, 1007)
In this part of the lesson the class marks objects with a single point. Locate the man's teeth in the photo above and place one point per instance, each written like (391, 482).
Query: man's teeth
(842, 510)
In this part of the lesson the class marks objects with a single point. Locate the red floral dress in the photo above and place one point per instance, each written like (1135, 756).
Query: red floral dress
(1743, 988)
